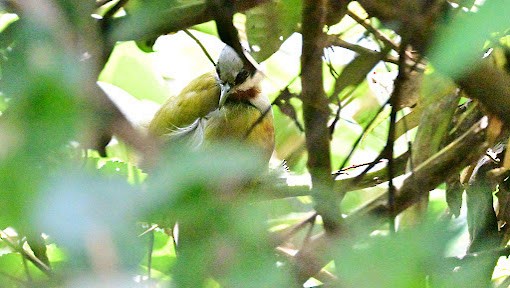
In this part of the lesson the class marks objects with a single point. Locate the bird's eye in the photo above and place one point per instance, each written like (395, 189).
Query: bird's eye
(241, 77)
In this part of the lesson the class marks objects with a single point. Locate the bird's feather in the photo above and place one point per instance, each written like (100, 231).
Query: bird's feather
(197, 99)
(194, 115)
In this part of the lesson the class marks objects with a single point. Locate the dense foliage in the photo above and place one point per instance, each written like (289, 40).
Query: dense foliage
(394, 138)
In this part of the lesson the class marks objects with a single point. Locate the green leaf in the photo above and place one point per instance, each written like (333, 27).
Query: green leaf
(460, 44)
(6, 19)
(131, 69)
(194, 188)
(208, 28)
(12, 264)
(3, 103)
(13, 272)
(150, 19)
(127, 170)
(163, 254)
(355, 72)
(409, 258)
(76, 203)
(268, 25)
(43, 82)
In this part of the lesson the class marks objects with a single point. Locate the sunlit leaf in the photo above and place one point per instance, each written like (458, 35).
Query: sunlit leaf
(355, 72)
(132, 70)
(270, 24)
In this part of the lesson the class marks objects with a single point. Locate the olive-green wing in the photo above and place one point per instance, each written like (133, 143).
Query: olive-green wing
(196, 100)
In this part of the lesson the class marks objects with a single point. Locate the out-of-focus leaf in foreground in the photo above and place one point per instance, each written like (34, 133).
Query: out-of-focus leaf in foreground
(221, 233)
(42, 80)
(459, 44)
(92, 218)
(400, 260)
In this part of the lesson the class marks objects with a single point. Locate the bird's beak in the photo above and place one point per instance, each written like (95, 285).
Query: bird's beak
(225, 89)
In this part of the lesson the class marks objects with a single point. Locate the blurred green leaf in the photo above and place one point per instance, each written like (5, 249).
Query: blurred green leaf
(77, 204)
(45, 112)
(127, 170)
(460, 44)
(6, 19)
(12, 264)
(132, 70)
(146, 45)
(3, 103)
(204, 194)
(410, 258)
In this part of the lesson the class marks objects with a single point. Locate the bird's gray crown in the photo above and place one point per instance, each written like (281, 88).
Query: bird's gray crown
(230, 67)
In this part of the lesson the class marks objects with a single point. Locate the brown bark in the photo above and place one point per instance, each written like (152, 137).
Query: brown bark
(316, 113)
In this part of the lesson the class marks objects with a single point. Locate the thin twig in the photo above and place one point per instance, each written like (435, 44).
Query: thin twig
(285, 95)
(355, 145)
(339, 172)
(268, 109)
(27, 271)
(335, 40)
(366, 24)
(380, 157)
(289, 232)
(505, 251)
(149, 254)
(152, 228)
(332, 70)
(174, 241)
(308, 235)
(409, 143)
(36, 261)
(394, 100)
(201, 46)
(111, 12)
(335, 121)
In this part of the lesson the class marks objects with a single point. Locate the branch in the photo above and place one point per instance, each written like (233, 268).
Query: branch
(199, 43)
(390, 141)
(425, 178)
(419, 19)
(316, 114)
(450, 160)
(342, 186)
(491, 87)
(334, 40)
(223, 13)
(36, 261)
(366, 24)
(170, 18)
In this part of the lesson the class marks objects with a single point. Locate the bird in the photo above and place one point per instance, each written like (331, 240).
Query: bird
(222, 105)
